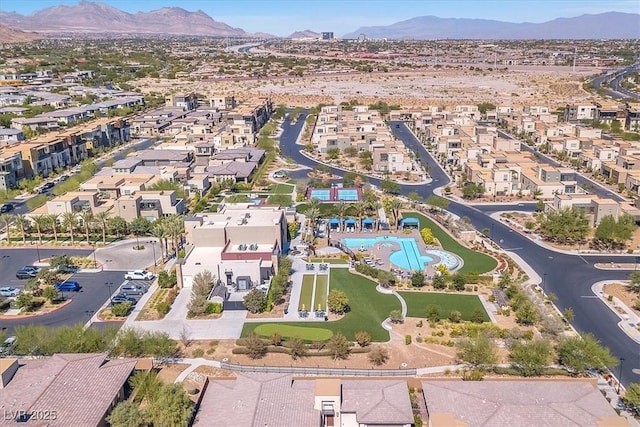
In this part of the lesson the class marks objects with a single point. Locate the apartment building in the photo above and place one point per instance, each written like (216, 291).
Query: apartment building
(10, 136)
(148, 204)
(11, 170)
(240, 244)
(254, 114)
(185, 101)
(222, 102)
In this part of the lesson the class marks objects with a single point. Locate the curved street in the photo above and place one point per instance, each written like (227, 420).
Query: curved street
(567, 276)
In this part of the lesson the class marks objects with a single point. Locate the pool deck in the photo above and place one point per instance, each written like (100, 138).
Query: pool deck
(381, 251)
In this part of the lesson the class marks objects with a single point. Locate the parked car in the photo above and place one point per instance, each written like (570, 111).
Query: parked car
(8, 345)
(130, 289)
(139, 275)
(26, 273)
(8, 291)
(69, 285)
(120, 298)
(7, 207)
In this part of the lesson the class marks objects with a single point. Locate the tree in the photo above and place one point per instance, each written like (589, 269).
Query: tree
(395, 316)
(126, 414)
(363, 338)
(171, 407)
(632, 396)
(473, 191)
(417, 279)
(6, 220)
(21, 222)
(70, 222)
(39, 221)
(477, 351)
(338, 301)
(458, 282)
(140, 226)
(455, 316)
(394, 206)
(433, 313)
(341, 210)
(530, 358)
(634, 279)
(102, 219)
(256, 346)
(564, 226)
(414, 197)
(144, 385)
(52, 221)
(297, 348)
(255, 301)
(389, 186)
(87, 219)
(439, 282)
(50, 293)
(378, 355)
(47, 277)
(60, 262)
(338, 346)
(118, 226)
(437, 202)
(526, 314)
(25, 300)
(203, 283)
(612, 233)
(579, 354)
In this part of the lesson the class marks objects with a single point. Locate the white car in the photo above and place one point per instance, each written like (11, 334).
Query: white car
(139, 275)
(8, 345)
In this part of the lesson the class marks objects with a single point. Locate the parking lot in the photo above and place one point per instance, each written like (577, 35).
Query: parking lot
(96, 288)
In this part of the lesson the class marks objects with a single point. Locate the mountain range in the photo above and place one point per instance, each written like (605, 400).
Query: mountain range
(609, 25)
(11, 35)
(93, 17)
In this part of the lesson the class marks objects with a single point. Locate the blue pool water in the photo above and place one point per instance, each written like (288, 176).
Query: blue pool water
(407, 257)
(323, 195)
(348, 195)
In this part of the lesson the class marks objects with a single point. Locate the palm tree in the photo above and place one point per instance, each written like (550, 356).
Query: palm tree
(313, 204)
(159, 231)
(40, 221)
(53, 223)
(102, 218)
(6, 220)
(70, 222)
(341, 210)
(375, 206)
(359, 209)
(395, 205)
(175, 228)
(21, 221)
(87, 218)
(312, 215)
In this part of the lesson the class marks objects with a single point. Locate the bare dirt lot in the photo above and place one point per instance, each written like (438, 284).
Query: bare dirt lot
(515, 86)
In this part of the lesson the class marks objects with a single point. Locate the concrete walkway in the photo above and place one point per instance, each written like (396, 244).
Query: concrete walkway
(629, 320)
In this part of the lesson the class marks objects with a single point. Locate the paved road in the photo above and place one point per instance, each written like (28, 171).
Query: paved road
(615, 90)
(569, 277)
(93, 294)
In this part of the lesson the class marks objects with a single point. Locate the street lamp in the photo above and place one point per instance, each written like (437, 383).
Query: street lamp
(620, 375)
(108, 285)
(153, 246)
(95, 263)
(544, 280)
(38, 251)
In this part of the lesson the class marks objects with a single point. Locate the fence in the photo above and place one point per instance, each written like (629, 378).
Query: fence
(321, 371)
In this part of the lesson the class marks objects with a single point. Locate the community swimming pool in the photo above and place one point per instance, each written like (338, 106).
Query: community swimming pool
(408, 257)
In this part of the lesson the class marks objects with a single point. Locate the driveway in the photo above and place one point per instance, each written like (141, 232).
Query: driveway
(121, 256)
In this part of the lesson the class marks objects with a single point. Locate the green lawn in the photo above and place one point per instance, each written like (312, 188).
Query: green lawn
(474, 262)
(280, 199)
(306, 292)
(282, 189)
(238, 198)
(320, 296)
(368, 308)
(289, 331)
(417, 303)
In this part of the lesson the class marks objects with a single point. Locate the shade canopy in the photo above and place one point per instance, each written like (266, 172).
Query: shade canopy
(368, 221)
(350, 221)
(334, 221)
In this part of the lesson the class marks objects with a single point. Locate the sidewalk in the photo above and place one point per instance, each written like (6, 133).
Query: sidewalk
(629, 320)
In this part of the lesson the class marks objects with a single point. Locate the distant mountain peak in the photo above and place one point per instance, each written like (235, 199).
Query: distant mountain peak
(608, 25)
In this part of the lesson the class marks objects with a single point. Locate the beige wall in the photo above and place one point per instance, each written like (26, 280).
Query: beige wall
(127, 208)
(207, 236)
(261, 234)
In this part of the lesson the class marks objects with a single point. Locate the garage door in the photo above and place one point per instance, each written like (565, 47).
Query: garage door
(233, 305)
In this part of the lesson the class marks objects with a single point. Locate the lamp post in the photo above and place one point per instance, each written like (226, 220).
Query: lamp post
(544, 280)
(95, 263)
(620, 375)
(38, 251)
(153, 246)
(108, 285)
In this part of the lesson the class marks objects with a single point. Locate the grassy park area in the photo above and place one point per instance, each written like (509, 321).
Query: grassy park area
(474, 262)
(417, 303)
(368, 308)
(290, 331)
(306, 293)
(320, 295)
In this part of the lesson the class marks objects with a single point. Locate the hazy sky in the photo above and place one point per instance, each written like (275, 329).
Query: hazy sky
(282, 17)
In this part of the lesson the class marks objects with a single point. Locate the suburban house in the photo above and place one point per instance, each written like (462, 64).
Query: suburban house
(10, 136)
(281, 399)
(74, 389)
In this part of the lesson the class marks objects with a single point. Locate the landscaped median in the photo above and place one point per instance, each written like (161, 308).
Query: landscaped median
(474, 262)
(368, 309)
